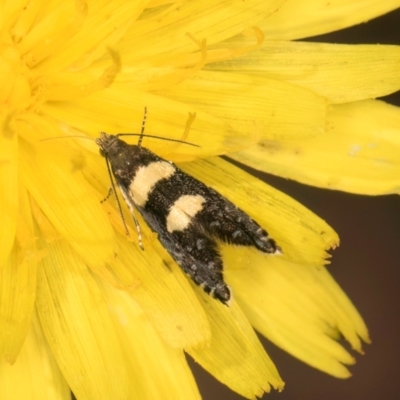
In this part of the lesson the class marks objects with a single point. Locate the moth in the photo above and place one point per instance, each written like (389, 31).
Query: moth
(187, 215)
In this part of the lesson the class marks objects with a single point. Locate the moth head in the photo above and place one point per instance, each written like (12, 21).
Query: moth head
(105, 142)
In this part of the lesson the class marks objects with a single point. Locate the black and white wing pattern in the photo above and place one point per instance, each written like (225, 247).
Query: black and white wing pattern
(187, 215)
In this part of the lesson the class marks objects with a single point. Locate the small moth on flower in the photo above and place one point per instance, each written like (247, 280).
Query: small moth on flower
(187, 215)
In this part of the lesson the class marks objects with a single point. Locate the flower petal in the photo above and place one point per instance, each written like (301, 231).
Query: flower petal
(165, 31)
(56, 184)
(118, 110)
(17, 295)
(300, 309)
(35, 374)
(162, 291)
(18, 284)
(75, 33)
(303, 236)
(160, 372)
(9, 193)
(360, 154)
(252, 104)
(78, 327)
(235, 355)
(300, 19)
(366, 71)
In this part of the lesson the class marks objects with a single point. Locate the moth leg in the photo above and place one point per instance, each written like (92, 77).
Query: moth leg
(110, 191)
(138, 229)
(132, 208)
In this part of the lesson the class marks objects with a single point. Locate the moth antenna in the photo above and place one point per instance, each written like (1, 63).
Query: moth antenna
(142, 135)
(111, 190)
(143, 127)
(66, 137)
(156, 137)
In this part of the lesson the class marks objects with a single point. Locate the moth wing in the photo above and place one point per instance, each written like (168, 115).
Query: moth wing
(195, 253)
(222, 219)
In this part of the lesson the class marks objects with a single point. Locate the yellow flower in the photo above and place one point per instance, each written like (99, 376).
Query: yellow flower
(83, 309)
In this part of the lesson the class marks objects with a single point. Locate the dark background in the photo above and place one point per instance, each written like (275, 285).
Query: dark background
(366, 266)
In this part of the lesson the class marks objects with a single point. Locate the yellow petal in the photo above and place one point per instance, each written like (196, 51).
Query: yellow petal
(157, 370)
(165, 31)
(303, 236)
(71, 205)
(17, 295)
(299, 19)
(162, 291)
(25, 20)
(9, 192)
(235, 355)
(252, 105)
(341, 73)
(120, 110)
(78, 327)
(35, 374)
(360, 154)
(75, 33)
(299, 308)
(18, 284)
